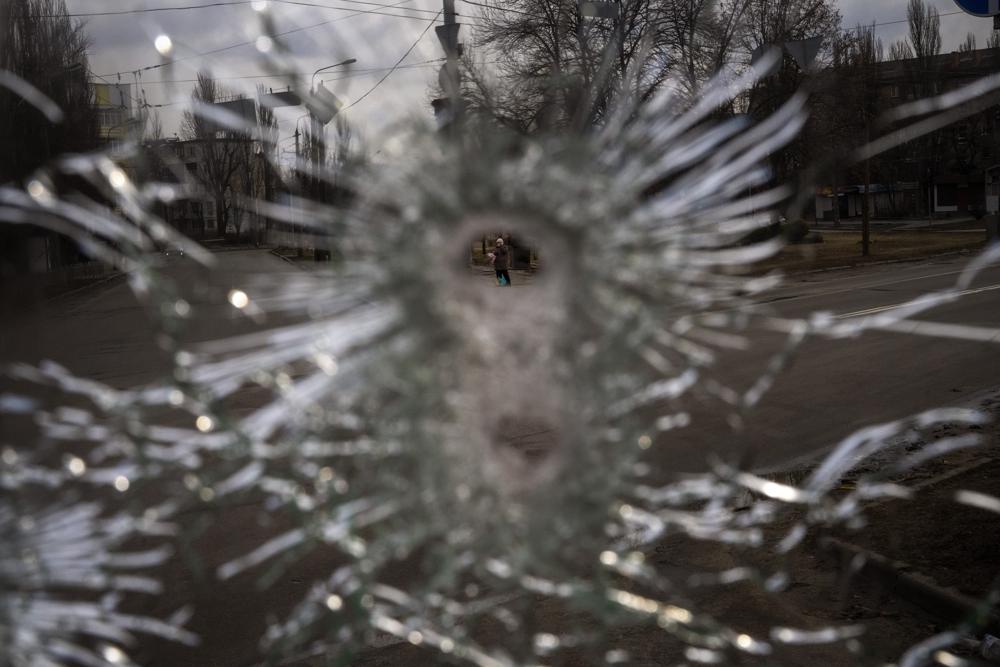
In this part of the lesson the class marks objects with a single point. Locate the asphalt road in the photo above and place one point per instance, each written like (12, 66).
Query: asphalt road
(832, 388)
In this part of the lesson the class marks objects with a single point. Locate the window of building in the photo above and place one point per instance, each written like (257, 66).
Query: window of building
(962, 133)
(947, 194)
(110, 116)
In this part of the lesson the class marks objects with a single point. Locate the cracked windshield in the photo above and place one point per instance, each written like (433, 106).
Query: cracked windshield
(499, 333)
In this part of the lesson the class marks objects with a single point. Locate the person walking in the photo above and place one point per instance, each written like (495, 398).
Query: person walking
(500, 257)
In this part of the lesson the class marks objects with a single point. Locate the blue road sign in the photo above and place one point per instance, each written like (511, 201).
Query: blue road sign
(980, 7)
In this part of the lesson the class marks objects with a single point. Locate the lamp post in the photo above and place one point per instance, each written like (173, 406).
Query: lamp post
(312, 81)
(316, 127)
(318, 148)
(108, 130)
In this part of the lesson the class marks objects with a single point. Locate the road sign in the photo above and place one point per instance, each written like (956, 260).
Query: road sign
(283, 98)
(324, 105)
(447, 34)
(980, 7)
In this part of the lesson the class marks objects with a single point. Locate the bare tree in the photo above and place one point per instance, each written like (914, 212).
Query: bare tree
(264, 166)
(969, 44)
(221, 149)
(705, 35)
(556, 68)
(774, 23)
(42, 45)
(865, 54)
(900, 50)
(925, 36)
(925, 29)
(994, 40)
(344, 140)
(152, 126)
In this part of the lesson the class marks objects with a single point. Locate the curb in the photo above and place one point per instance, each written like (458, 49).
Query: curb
(277, 254)
(89, 286)
(215, 250)
(881, 262)
(902, 580)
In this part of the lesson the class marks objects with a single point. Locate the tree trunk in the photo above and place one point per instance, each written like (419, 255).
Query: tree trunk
(220, 215)
(930, 201)
(836, 199)
(866, 211)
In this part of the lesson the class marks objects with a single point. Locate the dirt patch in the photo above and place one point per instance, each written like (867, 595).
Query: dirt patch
(938, 548)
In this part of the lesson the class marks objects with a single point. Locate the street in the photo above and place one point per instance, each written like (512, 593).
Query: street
(833, 388)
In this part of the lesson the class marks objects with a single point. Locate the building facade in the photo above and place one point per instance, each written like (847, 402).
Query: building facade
(195, 211)
(947, 172)
(117, 119)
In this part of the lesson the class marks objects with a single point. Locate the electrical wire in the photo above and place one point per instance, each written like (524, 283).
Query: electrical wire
(358, 13)
(394, 67)
(230, 3)
(502, 9)
(869, 25)
(894, 22)
(246, 43)
(354, 73)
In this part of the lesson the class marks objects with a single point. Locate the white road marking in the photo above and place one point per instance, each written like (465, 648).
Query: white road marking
(880, 309)
(855, 288)
(942, 330)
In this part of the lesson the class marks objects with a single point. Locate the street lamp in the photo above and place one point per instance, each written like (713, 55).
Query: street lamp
(321, 111)
(312, 81)
(124, 123)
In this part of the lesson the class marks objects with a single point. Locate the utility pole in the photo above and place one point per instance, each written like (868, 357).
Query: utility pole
(295, 226)
(449, 77)
(601, 10)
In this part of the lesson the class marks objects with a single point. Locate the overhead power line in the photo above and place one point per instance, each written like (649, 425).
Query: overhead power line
(231, 3)
(394, 67)
(354, 73)
(502, 9)
(356, 12)
(863, 26)
(246, 43)
(511, 10)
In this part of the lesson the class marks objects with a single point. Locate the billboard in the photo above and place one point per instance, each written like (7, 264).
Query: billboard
(115, 95)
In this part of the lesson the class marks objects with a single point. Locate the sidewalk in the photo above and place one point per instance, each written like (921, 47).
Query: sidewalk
(903, 224)
(518, 277)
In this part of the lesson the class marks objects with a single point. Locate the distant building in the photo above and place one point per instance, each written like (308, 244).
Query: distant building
(948, 172)
(116, 113)
(193, 212)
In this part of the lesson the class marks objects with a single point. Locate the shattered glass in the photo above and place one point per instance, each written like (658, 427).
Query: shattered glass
(492, 476)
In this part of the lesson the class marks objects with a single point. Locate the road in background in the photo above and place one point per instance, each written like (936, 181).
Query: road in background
(832, 388)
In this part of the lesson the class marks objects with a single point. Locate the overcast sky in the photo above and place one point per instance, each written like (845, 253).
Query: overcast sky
(124, 43)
